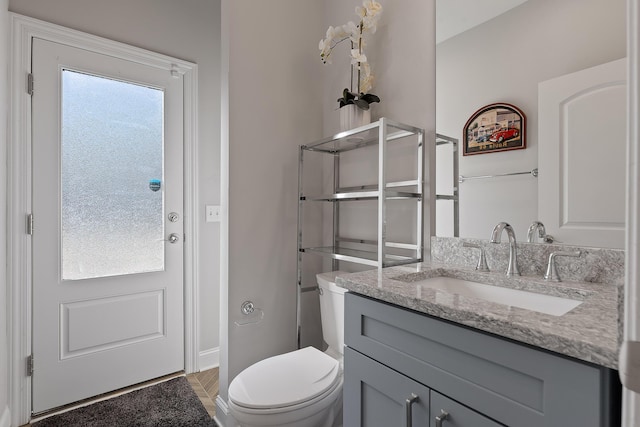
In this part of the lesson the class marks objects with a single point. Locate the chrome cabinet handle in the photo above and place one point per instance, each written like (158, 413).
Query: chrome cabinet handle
(407, 407)
(440, 418)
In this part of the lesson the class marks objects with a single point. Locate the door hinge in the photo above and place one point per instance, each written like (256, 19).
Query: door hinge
(30, 84)
(629, 365)
(30, 365)
(30, 224)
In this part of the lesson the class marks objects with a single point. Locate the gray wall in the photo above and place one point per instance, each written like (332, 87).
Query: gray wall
(274, 106)
(190, 33)
(4, 375)
(503, 60)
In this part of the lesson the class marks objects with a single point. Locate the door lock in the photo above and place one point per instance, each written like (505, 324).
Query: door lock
(173, 238)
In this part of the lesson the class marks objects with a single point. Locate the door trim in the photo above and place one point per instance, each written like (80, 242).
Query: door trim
(631, 399)
(23, 30)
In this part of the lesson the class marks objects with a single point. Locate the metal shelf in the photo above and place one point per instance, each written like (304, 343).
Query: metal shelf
(455, 197)
(378, 133)
(360, 256)
(363, 195)
(362, 137)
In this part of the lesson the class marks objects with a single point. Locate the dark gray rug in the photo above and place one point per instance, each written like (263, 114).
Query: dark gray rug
(172, 404)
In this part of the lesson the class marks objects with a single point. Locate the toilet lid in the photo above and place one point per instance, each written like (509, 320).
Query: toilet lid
(285, 380)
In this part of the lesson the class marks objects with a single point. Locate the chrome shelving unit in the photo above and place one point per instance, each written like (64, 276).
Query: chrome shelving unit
(455, 196)
(375, 253)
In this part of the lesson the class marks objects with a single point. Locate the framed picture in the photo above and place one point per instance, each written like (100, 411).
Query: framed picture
(494, 127)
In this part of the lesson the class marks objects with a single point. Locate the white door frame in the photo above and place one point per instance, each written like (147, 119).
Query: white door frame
(19, 262)
(631, 399)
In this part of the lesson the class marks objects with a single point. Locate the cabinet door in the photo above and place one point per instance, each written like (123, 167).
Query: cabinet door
(376, 396)
(453, 414)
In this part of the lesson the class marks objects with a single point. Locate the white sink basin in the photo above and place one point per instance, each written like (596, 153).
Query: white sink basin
(555, 306)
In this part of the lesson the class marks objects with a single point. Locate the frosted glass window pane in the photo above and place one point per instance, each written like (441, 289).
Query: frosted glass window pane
(112, 159)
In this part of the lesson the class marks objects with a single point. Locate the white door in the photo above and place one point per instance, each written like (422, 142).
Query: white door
(582, 156)
(108, 227)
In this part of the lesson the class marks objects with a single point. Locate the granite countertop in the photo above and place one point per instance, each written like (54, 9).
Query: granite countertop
(589, 332)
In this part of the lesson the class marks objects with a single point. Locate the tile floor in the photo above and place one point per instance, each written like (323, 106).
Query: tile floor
(205, 384)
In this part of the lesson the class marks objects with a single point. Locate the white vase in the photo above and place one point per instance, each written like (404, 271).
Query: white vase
(353, 117)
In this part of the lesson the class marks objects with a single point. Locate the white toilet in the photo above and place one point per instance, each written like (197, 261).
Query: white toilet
(302, 388)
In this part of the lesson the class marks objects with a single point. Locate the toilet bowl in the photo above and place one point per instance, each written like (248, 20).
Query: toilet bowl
(302, 388)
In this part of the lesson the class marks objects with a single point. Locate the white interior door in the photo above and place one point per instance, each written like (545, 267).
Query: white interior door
(582, 156)
(108, 236)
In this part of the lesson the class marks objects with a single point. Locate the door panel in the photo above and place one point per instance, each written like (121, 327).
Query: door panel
(133, 318)
(582, 132)
(107, 169)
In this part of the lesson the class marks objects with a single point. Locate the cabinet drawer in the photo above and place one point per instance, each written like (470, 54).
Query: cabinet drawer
(510, 383)
(457, 415)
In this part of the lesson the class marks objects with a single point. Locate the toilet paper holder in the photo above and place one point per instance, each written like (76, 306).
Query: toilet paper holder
(251, 314)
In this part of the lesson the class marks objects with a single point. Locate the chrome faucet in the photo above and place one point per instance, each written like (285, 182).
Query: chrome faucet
(536, 225)
(512, 269)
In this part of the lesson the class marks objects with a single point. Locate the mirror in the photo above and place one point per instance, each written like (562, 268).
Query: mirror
(491, 51)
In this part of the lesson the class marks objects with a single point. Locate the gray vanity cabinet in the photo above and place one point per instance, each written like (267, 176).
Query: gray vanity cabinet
(478, 379)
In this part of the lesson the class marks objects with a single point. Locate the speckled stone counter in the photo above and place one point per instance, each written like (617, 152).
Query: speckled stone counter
(589, 332)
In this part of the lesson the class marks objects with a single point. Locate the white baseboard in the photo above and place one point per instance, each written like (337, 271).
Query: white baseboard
(209, 359)
(5, 417)
(222, 417)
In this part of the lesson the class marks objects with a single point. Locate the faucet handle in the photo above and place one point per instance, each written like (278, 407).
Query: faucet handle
(482, 261)
(552, 273)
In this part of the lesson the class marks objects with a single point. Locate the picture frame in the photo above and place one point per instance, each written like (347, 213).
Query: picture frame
(493, 128)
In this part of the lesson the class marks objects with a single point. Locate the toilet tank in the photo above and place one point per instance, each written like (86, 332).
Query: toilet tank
(332, 310)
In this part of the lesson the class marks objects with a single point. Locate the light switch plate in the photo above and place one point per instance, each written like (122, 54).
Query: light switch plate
(213, 213)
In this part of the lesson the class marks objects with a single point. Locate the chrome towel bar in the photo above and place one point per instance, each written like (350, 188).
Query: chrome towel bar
(533, 172)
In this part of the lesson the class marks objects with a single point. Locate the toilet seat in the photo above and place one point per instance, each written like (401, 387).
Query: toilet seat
(280, 383)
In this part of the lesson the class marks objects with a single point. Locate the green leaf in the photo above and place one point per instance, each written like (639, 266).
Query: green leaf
(362, 104)
(369, 97)
(344, 102)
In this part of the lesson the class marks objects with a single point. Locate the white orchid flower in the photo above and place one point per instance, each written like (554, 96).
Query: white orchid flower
(372, 7)
(330, 33)
(368, 17)
(350, 28)
(370, 24)
(357, 56)
(366, 84)
(366, 78)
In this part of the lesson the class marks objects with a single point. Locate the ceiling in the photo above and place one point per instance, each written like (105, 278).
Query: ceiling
(457, 16)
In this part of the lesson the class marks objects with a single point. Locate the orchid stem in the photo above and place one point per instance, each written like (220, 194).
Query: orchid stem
(351, 77)
(360, 52)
